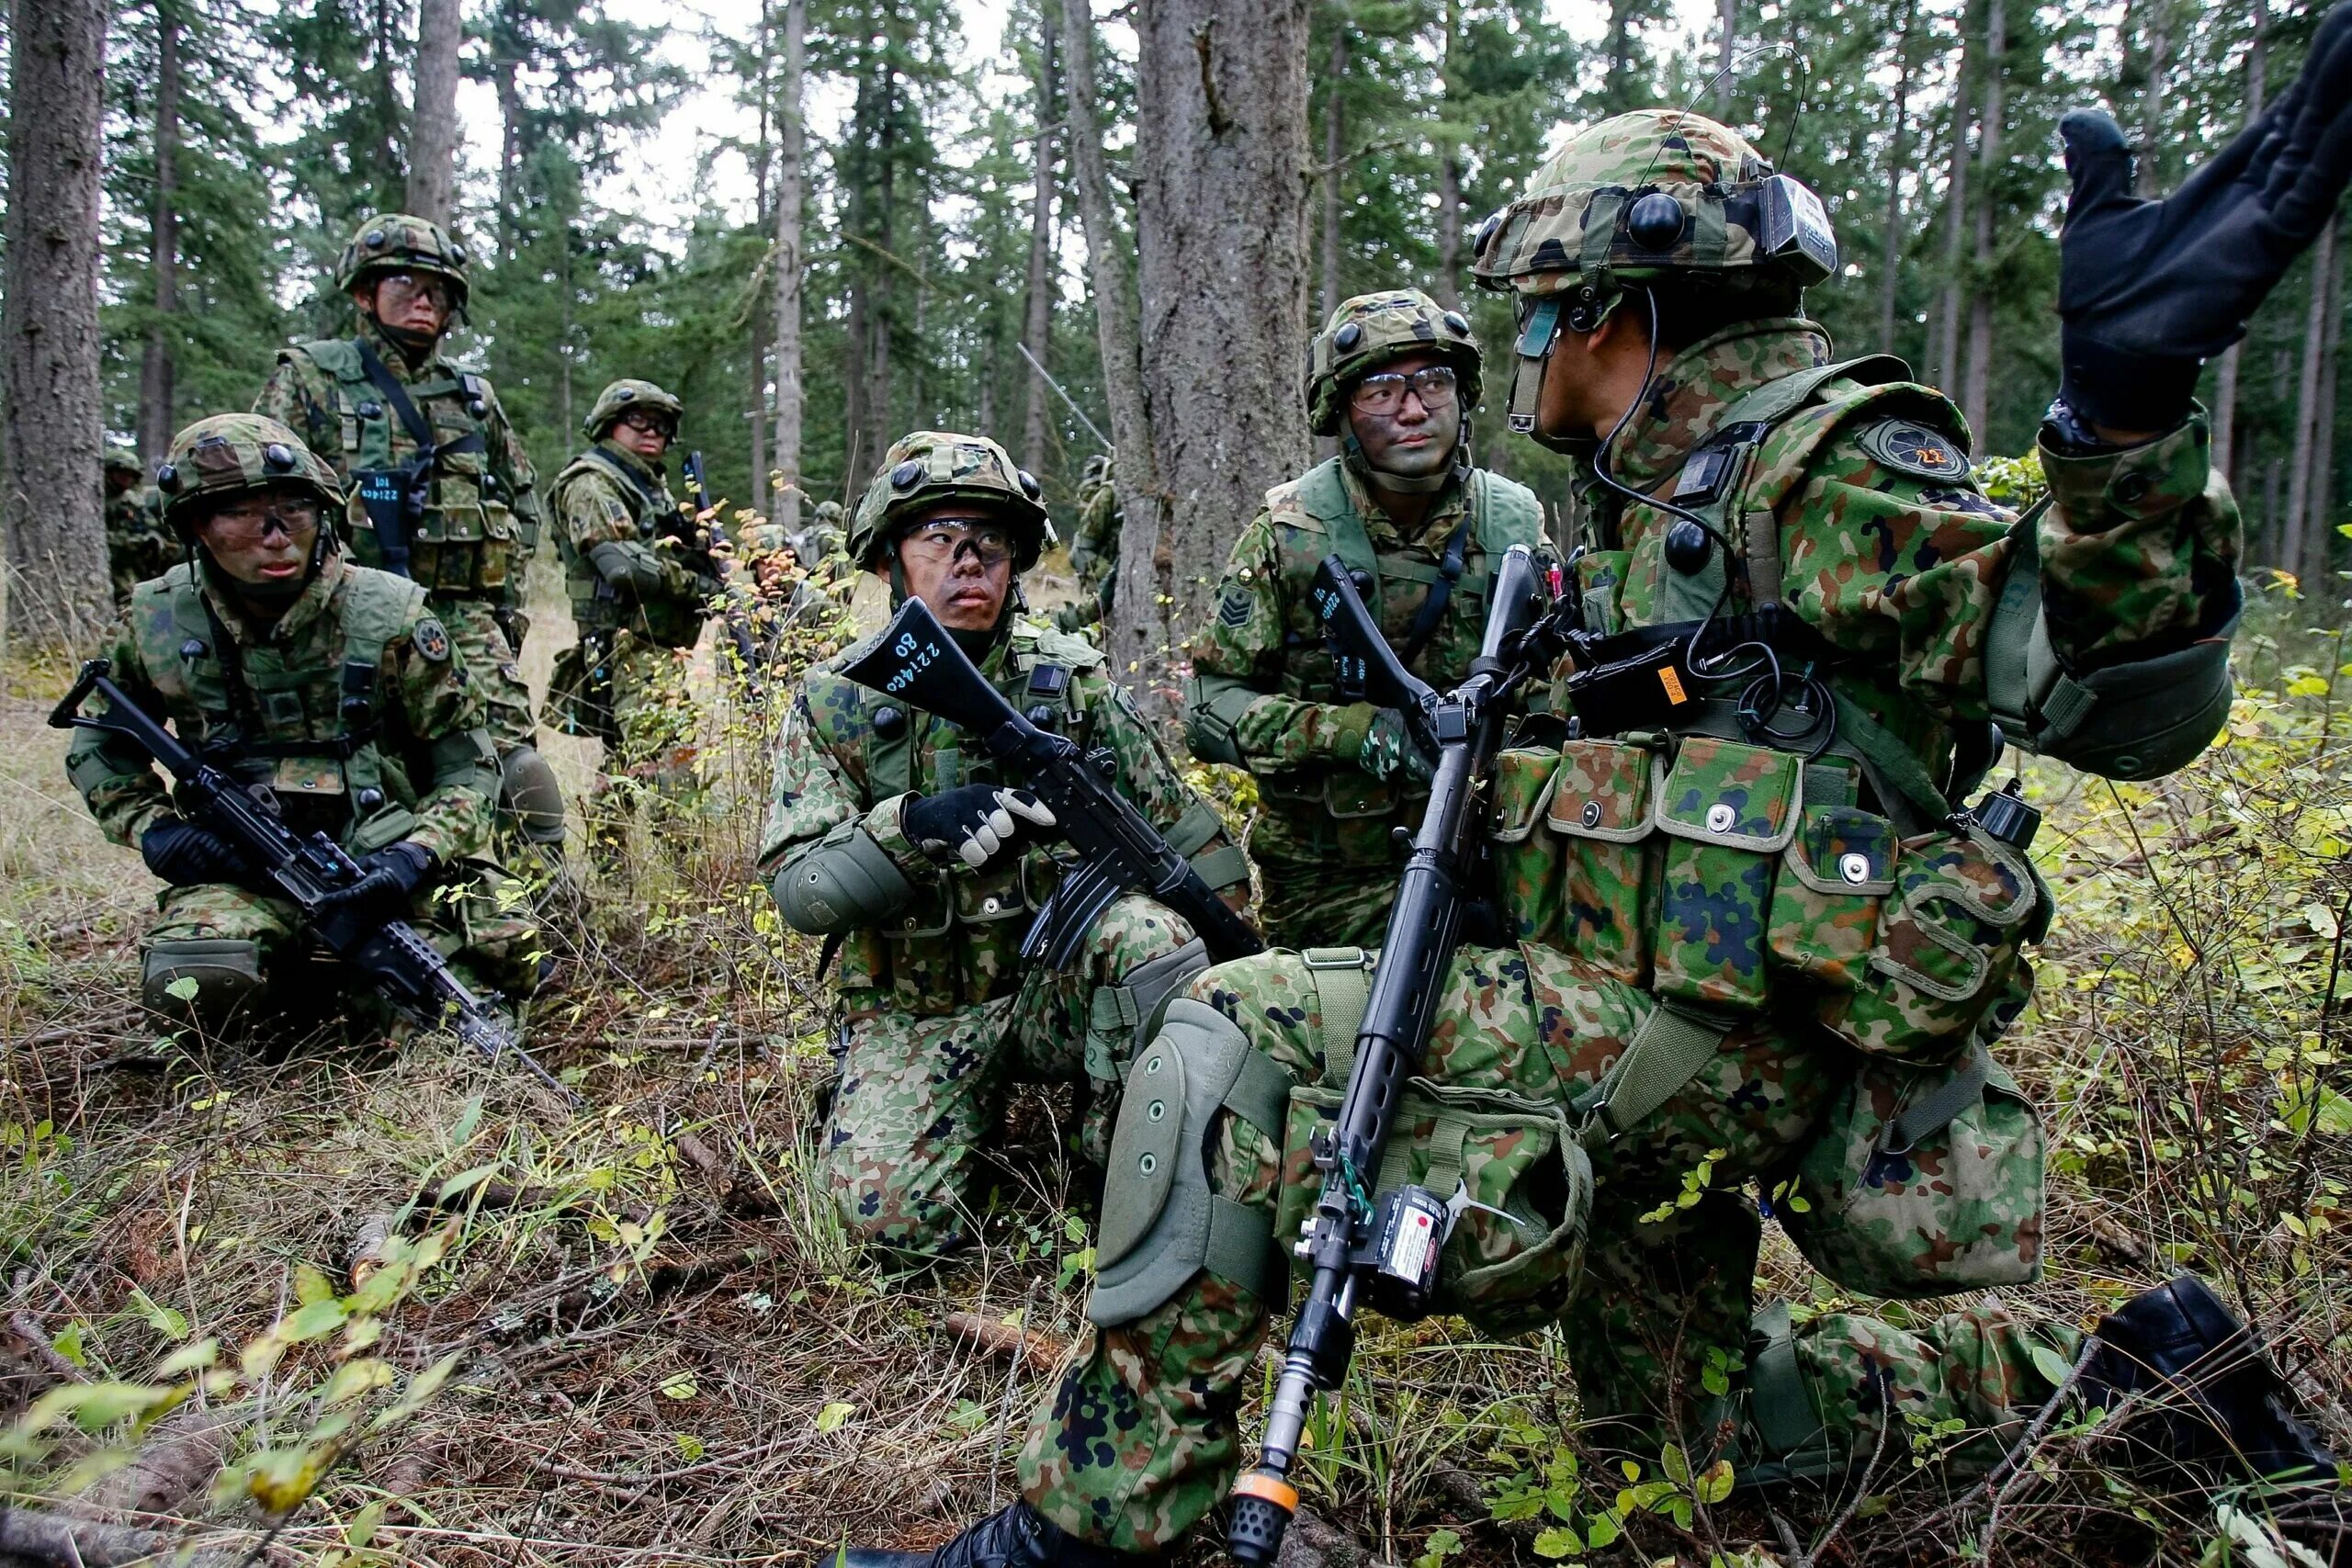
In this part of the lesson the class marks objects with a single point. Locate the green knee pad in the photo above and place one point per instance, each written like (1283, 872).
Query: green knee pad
(1160, 1223)
(529, 795)
(1117, 1016)
(226, 973)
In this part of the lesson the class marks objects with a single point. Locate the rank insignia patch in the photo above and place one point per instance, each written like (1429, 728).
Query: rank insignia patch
(1233, 608)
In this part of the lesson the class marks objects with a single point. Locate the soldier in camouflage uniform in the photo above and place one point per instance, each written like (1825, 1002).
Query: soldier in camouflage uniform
(897, 840)
(463, 521)
(1094, 547)
(137, 545)
(329, 685)
(1734, 912)
(637, 605)
(1396, 377)
(822, 541)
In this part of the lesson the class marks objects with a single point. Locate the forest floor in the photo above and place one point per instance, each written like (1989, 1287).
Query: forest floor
(361, 1304)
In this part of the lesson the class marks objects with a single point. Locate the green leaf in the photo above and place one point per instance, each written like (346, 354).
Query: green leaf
(312, 1284)
(468, 1118)
(830, 1418)
(2053, 1366)
(96, 1406)
(1601, 1530)
(1715, 1486)
(1443, 1544)
(353, 1379)
(1675, 1463)
(362, 1527)
(1559, 1541)
(190, 1357)
(312, 1320)
(68, 1343)
(183, 989)
(168, 1322)
(466, 1180)
(690, 1448)
(678, 1385)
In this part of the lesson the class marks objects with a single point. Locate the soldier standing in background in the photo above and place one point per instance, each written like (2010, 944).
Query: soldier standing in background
(1421, 529)
(1094, 547)
(138, 543)
(442, 491)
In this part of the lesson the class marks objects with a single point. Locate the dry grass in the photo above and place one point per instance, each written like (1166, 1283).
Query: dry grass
(667, 1353)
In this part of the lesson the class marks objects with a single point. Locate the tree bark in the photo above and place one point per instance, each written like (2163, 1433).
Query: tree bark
(2319, 536)
(1616, 86)
(792, 142)
(1976, 398)
(432, 123)
(1448, 288)
(2307, 405)
(762, 317)
(1897, 164)
(1726, 85)
(1143, 499)
(1945, 351)
(157, 419)
(50, 415)
(1221, 129)
(1037, 326)
(2225, 380)
(2148, 179)
(1335, 150)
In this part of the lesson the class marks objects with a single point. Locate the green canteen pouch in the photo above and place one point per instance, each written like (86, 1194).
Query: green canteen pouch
(1924, 1181)
(1510, 1272)
(1952, 934)
(1600, 814)
(1835, 875)
(1525, 866)
(1727, 809)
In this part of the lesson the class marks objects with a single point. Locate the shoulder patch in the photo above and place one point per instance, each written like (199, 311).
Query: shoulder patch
(431, 640)
(1909, 447)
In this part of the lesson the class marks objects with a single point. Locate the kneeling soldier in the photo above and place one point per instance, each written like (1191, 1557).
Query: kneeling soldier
(324, 682)
(902, 847)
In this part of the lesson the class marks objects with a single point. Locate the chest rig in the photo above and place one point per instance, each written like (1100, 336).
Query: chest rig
(594, 604)
(1495, 516)
(417, 455)
(310, 729)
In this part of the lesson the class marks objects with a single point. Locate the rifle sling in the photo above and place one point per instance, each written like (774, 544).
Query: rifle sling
(379, 375)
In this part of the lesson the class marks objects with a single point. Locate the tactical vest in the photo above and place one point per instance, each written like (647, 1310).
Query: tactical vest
(469, 541)
(957, 943)
(312, 734)
(595, 606)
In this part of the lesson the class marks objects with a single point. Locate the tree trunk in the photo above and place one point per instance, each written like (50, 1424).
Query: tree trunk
(791, 178)
(510, 153)
(1897, 164)
(157, 419)
(1037, 327)
(2149, 179)
(2319, 537)
(1616, 88)
(1976, 402)
(1944, 356)
(1335, 152)
(383, 97)
(1726, 83)
(1221, 134)
(2225, 381)
(1448, 288)
(1143, 499)
(755, 408)
(433, 125)
(49, 416)
(2307, 405)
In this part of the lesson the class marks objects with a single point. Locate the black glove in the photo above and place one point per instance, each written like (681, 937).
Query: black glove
(2149, 290)
(388, 877)
(184, 854)
(976, 823)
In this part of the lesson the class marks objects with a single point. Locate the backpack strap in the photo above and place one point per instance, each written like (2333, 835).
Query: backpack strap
(1324, 496)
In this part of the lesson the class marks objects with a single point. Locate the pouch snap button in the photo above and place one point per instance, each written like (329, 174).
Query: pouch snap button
(1854, 868)
(1592, 814)
(1720, 817)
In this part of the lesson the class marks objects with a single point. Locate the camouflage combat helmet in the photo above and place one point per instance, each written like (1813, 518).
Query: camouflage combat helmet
(122, 461)
(231, 454)
(398, 241)
(620, 398)
(931, 466)
(1369, 331)
(828, 512)
(1643, 196)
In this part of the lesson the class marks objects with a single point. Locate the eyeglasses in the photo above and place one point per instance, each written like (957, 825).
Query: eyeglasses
(944, 539)
(245, 523)
(647, 423)
(398, 288)
(1384, 392)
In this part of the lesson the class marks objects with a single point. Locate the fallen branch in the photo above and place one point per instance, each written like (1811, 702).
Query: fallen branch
(1038, 1352)
(86, 1543)
(37, 1346)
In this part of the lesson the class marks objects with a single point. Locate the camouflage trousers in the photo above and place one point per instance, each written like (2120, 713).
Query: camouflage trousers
(1141, 1437)
(473, 627)
(922, 1098)
(494, 947)
(1322, 903)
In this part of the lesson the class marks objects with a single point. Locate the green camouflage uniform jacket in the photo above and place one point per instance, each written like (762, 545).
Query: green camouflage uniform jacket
(1827, 961)
(429, 766)
(608, 495)
(1264, 687)
(1094, 551)
(138, 545)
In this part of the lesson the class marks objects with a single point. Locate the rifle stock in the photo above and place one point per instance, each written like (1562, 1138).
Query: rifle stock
(1466, 727)
(416, 981)
(914, 659)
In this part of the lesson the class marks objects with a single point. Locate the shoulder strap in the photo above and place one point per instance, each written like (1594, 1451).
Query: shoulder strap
(603, 463)
(1341, 977)
(1666, 1053)
(339, 357)
(2007, 687)
(381, 376)
(1325, 496)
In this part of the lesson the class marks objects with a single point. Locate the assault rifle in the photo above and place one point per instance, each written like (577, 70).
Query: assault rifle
(915, 661)
(307, 873)
(1388, 1255)
(707, 542)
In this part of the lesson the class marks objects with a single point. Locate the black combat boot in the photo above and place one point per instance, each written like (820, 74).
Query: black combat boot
(1014, 1536)
(2214, 1405)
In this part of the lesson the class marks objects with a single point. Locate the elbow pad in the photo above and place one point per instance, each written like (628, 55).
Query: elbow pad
(631, 570)
(2140, 720)
(844, 882)
(1213, 710)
